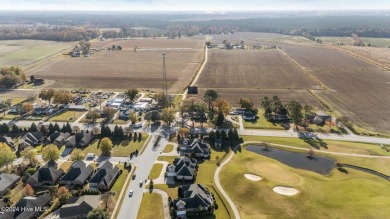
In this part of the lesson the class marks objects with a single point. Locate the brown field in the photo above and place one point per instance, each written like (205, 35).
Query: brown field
(123, 69)
(234, 95)
(264, 69)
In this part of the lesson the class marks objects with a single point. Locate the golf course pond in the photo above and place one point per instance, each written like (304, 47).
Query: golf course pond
(318, 164)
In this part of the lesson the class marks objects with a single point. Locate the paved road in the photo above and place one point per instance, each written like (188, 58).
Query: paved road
(144, 163)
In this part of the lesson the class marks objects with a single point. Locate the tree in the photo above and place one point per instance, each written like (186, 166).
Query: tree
(77, 155)
(63, 194)
(50, 152)
(95, 130)
(6, 155)
(168, 116)
(133, 117)
(266, 105)
(220, 119)
(56, 127)
(43, 129)
(27, 107)
(194, 107)
(109, 112)
(276, 105)
(28, 190)
(75, 129)
(47, 94)
(92, 114)
(139, 137)
(62, 97)
(33, 127)
(105, 146)
(222, 106)
(23, 76)
(108, 200)
(15, 129)
(131, 93)
(295, 112)
(209, 97)
(246, 103)
(118, 132)
(162, 99)
(98, 213)
(29, 154)
(8, 102)
(4, 129)
(307, 111)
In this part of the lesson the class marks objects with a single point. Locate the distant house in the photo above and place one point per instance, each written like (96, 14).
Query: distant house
(39, 81)
(57, 138)
(7, 182)
(77, 107)
(14, 110)
(8, 141)
(146, 100)
(192, 90)
(77, 175)
(42, 110)
(194, 148)
(30, 139)
(279, 118)
(194, 199)
(105, 176)
(249, 116)
(28, 207)
(80, 139)
(321, 118)
(47, 175)
(183, 168)
(79, 207)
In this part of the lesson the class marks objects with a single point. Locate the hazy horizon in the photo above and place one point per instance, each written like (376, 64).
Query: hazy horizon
(199, 6)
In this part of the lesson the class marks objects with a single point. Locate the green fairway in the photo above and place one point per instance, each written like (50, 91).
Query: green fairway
(340, 195)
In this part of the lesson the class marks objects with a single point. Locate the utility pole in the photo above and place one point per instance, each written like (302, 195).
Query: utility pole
(165, 74)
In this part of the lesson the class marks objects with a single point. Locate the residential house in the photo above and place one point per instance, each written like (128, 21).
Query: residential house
(249, 116)
(146, 100)
(14, 110)
(79, 207)
(80, 139)
(57, 138)
(192, 90)
(38, 81)
(194, 148)
(321, 118)
(77, 108)
(42, 110)
(183, 168)
(194, 199)
(8, 141)
(7, 182)
(77, 175)
(47, 175)
(30, 139)
(105, 176)
(28, 207)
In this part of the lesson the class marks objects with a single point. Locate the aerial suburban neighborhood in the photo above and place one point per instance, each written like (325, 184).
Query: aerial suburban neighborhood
(221, 114)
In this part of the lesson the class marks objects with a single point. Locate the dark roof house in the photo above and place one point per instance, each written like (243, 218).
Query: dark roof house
(34, 204)
(39, 81)
(30, 139)
(79, 207)
(321, 118)
(48, 174)
(104, 177)
(194, 199)
(194, 147)
(7, 181)
(81, 139)
(77, 175)
(183, 168)
(57, 138)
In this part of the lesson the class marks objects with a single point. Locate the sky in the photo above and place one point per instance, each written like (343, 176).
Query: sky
(193, 5)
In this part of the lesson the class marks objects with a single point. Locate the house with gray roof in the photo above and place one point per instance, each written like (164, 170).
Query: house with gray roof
(8, 141)
(79, 207)
(183, 169)
(321, 118)
(80, 139)
(7, 182)
(30, 139)
(47, 175)
(57, 138)
(105, 176)
(194, 148)
(35, 205)
(193, 200)
(77, 175)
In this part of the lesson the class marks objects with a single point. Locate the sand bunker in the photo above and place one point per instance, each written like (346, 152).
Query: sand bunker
(252, 177)
(285, 190)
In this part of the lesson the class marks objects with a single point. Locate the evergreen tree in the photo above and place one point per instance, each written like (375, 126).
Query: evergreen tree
(33, 127)
(51, 129)
(102, 131)
(217, 135)
(220, 119)
(4, 129)
(44, 129)
(223, 135)
(236, 136)
(139, 137)
(15, 129)
(56, 127)
(130, 136)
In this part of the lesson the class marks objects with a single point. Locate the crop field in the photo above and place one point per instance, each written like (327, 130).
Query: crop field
(124, 69)
(26, 52)
(264, 69)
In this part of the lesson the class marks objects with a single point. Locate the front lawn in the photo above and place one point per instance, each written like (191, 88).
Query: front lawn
(156, 170)
(119, 183)
(151, 206)
(67, 116)
(262, 123)
(168, 148)
(65, 166)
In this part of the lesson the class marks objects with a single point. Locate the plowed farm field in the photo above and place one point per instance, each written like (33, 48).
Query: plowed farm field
(118, 70)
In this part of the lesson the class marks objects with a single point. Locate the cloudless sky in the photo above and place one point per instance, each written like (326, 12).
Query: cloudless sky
(192, 5)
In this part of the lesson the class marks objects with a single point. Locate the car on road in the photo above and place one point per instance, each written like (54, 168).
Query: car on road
(137, 125)
(131, 193)
(141, 183)
(133, 177)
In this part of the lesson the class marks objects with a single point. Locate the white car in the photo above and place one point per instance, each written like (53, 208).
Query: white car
(137, 125)
(234, 113)
(131, 193)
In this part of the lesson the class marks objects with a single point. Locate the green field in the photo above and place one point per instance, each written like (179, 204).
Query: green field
(67, 116)
(118, 185)
(26, 52)
(262, 123)
(377, 42)
(151, 206)
(337, 40)
(156, 170)
(353, 195)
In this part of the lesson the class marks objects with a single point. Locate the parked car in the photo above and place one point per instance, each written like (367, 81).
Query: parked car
(234, 113)
(137, 125)
(141, 183)
(131, 193)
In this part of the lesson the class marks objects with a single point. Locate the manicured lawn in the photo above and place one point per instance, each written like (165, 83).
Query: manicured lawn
(39, 149)
(67, 116)
(353, 195)
(17, 193)
(168, 159)
(156, 170)
(151, 206)
(118, 185)
(65, 166)
(8, 116)
(168, 148)
(262, 123)
(120, 149)
(120, 121)
(335, 146)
